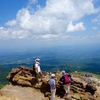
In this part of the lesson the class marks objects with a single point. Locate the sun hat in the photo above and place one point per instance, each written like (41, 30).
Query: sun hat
(52, 75)
(63, 72)
(37, 59)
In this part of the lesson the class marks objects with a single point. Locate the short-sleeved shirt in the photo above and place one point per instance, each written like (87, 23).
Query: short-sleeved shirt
(37, 65)
(52, 83)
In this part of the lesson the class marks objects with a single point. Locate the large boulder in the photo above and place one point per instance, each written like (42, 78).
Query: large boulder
(21, 76)
(13, 72)
(88, 80)
(90, 88)
(45, 87)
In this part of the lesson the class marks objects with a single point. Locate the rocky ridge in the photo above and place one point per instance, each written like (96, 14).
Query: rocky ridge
(83, 86)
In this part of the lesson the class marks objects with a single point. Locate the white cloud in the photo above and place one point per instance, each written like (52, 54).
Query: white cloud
(51, 20)
(48, 36)
(97, 19)
(19, 34)
(32, 2)
(13, 33)
(3, 33)
(77, 27)
(11, 23)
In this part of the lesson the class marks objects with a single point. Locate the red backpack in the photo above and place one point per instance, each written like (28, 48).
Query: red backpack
(67, 80)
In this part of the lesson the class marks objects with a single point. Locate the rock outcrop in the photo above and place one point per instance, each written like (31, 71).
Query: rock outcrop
(90, 88)
(21, 76)
(80, 88)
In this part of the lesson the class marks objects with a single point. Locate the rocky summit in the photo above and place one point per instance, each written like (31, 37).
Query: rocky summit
(22, 86)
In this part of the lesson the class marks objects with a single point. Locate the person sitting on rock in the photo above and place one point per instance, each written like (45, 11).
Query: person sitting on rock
(38, 69)
(65, 81)
(52, 87)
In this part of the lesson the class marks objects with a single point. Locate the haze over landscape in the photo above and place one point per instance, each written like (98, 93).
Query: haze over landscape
(64, 34)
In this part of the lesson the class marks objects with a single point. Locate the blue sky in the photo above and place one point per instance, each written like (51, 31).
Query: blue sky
(49, 22)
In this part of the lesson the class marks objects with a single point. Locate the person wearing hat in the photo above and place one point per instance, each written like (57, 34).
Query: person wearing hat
(38, 69)
(52, 87)
(65, 81)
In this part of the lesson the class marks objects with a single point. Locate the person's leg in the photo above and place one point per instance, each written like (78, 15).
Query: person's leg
(37, 75)
(68, 87)
(41, 75)
(51, 98)
(65, 87)
(53, 94)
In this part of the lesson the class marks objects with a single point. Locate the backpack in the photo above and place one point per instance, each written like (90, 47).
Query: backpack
(67, 80)
(34, 67)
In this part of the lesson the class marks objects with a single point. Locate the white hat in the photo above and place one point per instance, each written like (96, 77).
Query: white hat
(52, 75)
(63, 72)
(37, 59)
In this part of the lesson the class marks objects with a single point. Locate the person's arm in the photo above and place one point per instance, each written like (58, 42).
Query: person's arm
(54, 85)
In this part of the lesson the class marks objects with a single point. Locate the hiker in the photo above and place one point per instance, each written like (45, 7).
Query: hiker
(38, 69)
(52, 87)
(65, 81)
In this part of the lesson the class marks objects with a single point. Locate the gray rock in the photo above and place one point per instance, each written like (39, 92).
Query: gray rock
(90, 88)
(68, 97)
(88, 75)
(88, 80)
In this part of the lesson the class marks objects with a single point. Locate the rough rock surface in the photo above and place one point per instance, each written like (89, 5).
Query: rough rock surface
(24, 78)
(90, 88)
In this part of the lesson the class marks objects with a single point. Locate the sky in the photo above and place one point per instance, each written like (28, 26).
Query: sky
(29, 23)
